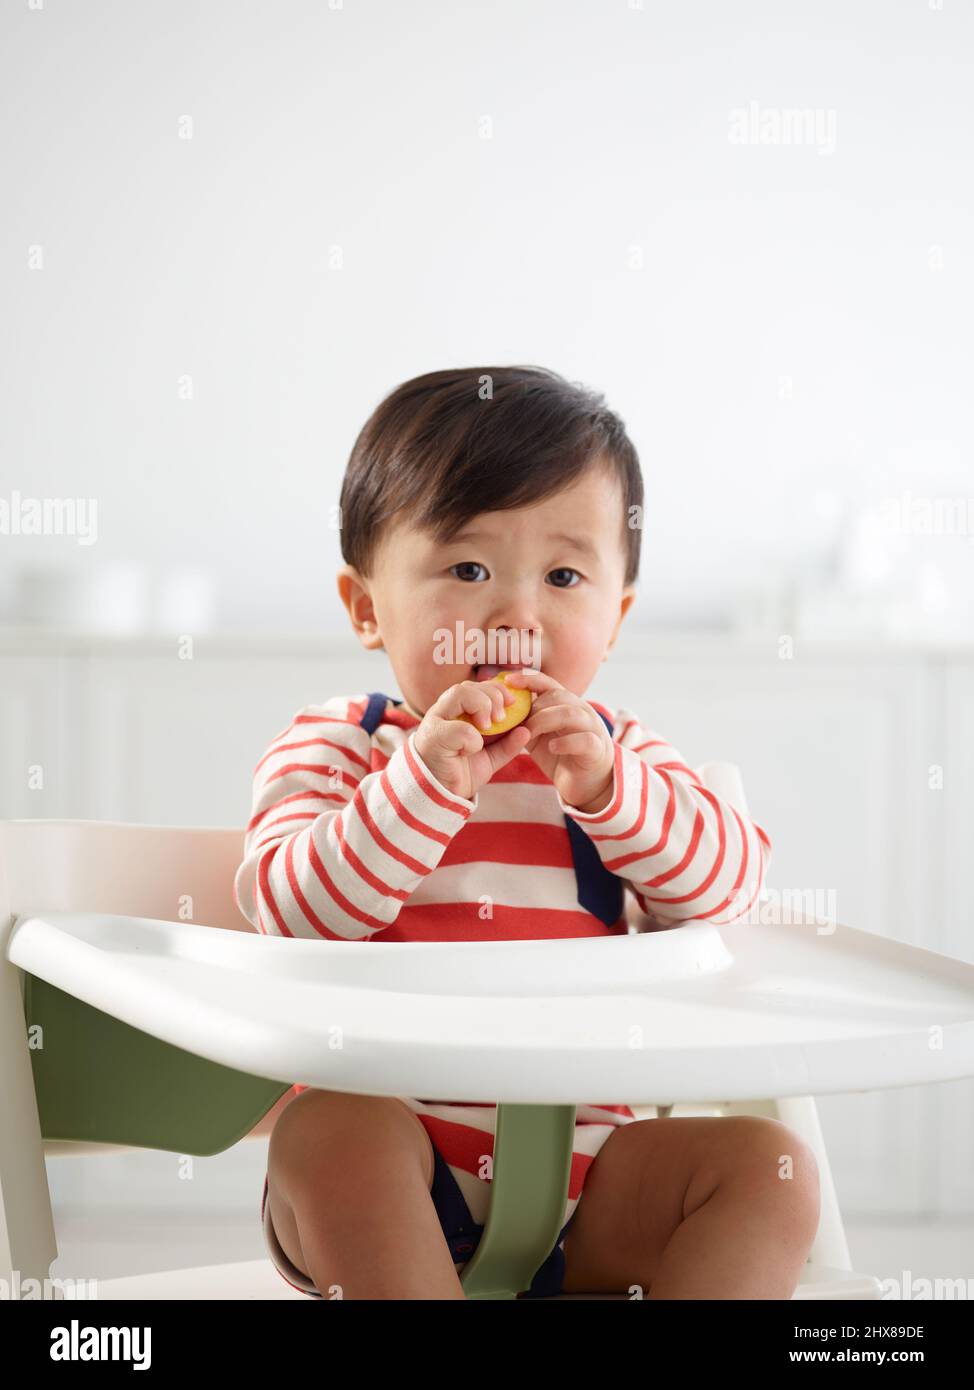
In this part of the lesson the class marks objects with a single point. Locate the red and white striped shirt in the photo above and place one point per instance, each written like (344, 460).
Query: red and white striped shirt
(352, 835)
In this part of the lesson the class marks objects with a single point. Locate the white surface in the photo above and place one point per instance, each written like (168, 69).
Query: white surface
(256, 1280)
(697, 1013)
(114, 1227)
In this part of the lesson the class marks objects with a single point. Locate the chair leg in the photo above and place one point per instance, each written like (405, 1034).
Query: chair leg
(799, 1113)
(27, 1241)
(533, 1148)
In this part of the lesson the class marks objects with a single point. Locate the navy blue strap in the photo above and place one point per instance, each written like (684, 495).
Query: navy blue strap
(462, 1233)
(374, 711)
(599, 890)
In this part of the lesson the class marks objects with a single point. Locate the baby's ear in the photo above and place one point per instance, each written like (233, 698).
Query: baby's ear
(625, 603)
(353, 590)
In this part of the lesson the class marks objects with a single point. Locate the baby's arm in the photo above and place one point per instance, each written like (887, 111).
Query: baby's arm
(332, 848)
(684, 851)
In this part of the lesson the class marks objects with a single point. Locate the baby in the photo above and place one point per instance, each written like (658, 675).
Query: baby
(501, 502)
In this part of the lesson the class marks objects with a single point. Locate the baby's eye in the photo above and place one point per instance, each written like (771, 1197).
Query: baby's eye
(462, 571)
(563, 578)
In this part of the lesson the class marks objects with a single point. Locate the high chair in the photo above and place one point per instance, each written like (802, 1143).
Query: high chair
(139, 1008)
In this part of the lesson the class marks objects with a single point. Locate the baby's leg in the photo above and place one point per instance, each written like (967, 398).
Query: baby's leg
(348, 1180)
(696, 1208)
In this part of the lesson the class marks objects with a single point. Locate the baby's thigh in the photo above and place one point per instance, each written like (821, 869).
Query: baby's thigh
(327, 1144)
(651, 1174)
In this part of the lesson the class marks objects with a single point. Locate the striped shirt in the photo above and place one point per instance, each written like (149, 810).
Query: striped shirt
(351, 835)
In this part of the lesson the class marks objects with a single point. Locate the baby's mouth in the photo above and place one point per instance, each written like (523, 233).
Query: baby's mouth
(488, 671)
(522, 650)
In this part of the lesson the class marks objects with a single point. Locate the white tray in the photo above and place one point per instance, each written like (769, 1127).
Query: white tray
(695, 1013)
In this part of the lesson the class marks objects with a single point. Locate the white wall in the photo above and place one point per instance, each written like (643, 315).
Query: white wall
(783, 327)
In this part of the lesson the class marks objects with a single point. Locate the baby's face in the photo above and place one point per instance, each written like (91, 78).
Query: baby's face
(555, 569)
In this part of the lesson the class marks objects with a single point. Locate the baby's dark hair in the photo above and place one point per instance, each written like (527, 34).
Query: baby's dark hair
(443, 447)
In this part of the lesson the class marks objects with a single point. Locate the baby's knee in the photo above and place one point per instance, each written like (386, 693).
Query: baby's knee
(770, 1158)
(320, 1132)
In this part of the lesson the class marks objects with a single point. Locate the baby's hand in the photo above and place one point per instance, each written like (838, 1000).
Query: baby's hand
(454, 750)
(569, 742)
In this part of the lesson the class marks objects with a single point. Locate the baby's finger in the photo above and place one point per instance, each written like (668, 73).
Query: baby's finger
(494, 693)
(558, 718)
(500, 697)
(469, 697)
(533, 680)
(577, 745)
(500, 751)
(456, 735)
(496, 683)
(558, 696)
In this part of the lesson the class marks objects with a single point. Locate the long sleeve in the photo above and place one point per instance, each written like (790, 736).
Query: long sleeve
(684, 851)
(333, 849)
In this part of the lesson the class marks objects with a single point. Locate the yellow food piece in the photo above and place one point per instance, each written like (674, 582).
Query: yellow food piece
(513, 714)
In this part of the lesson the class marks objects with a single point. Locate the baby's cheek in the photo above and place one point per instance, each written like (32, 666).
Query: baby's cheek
(581, 640)
(581, 648)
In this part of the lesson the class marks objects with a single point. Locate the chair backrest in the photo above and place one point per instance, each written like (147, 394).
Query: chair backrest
(175, 873)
